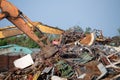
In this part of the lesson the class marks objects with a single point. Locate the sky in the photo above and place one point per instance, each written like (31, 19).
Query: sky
(97, 14)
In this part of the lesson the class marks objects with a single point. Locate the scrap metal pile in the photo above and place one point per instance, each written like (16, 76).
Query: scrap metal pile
(72, 61)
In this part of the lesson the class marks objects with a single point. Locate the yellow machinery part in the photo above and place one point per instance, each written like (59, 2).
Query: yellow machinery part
(13, 31)
(49, 29)
(4, 33)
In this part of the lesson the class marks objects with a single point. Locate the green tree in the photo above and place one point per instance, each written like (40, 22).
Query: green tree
(76, 29)
(3, 42)
(88, 30)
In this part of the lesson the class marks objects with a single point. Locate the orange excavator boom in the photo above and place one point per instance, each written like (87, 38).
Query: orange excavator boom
(15, 16)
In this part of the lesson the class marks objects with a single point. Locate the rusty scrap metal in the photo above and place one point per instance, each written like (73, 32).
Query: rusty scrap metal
(71, 36)
(75, 62)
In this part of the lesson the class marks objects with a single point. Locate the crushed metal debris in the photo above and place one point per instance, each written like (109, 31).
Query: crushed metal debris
(73, 61)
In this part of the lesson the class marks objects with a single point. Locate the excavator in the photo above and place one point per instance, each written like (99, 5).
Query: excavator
(26, 26)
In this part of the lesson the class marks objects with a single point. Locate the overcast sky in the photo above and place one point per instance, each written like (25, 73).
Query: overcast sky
(97, 14)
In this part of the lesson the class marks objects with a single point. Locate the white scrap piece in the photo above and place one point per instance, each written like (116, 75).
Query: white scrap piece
(57, 78)
(92, 39)
(102, 69)
(116, 48)
(82, 76)
(47, 70)
(24, 62)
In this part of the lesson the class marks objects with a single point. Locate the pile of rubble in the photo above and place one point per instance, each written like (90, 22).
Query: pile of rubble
(72, 61)
(115, 41)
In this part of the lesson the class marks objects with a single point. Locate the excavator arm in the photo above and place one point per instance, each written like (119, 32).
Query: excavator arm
(15, 16)
(2, 15)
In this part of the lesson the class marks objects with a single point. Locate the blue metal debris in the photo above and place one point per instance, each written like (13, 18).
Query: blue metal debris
(12, 48)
